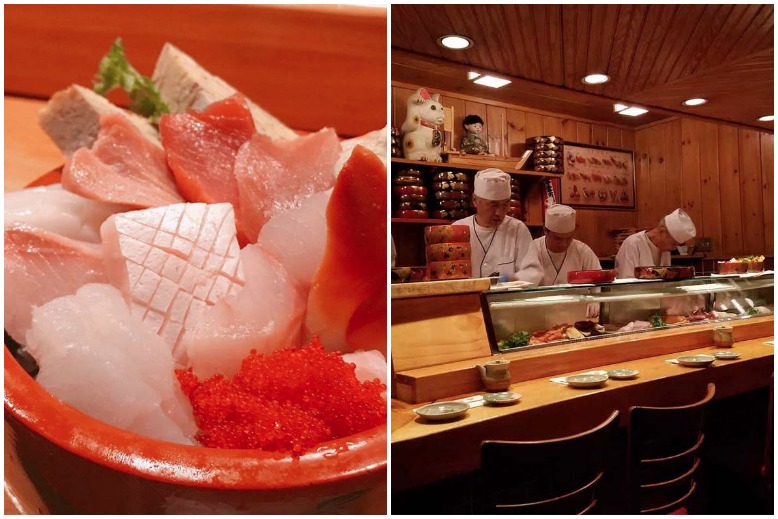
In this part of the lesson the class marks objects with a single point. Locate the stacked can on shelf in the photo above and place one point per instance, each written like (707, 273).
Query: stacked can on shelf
(450, 195)
(448, 252)
(397, 148)
(515, 208)
(409, 195)
(547, 154)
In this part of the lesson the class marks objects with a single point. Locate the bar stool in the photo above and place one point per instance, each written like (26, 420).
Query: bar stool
(554, 476)
(664, 455)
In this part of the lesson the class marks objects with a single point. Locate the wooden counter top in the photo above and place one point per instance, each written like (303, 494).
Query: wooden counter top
(424, 452)
(439, 288)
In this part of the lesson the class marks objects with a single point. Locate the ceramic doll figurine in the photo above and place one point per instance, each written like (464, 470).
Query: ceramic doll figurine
(422, 137)
(472, 144)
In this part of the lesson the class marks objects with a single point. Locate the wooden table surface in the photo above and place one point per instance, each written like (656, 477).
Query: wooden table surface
(424, 452)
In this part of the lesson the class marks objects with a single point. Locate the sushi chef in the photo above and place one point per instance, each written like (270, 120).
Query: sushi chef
(652, 248)
(500, 245)
(558, 251)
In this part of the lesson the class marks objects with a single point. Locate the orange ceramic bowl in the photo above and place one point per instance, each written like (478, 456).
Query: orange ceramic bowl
(81, 465)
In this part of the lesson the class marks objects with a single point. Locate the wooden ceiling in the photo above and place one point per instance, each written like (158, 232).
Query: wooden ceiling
(657, 56)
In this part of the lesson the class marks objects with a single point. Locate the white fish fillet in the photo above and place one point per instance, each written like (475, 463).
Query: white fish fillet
(98, 357)
(265, 315)
(171, 262)
(41, 266)
(297, 237)
(51, 208)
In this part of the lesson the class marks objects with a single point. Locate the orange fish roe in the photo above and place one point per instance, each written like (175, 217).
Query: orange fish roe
(288, 401)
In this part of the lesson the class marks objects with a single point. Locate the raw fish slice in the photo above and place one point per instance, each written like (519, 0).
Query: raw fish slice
(374, 141)
(364, 327)
(277, 176)
(369, 365)
(354, 264)
(265, 315)
(201, 149)
(122, 167)
(297, 237)
(41, 266)
(172, 261)
(51, 208)
(98, 357)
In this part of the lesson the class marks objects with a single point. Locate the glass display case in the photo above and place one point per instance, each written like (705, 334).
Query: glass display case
(538, 317)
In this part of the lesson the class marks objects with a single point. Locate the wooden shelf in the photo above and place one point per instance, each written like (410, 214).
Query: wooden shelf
(429, 221)
(466, 167)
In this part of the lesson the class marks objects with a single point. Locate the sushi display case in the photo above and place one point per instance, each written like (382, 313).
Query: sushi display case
(521, 319)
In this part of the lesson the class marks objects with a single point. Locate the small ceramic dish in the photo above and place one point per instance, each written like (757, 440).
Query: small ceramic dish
(696, 361)
(623, 374)
(502, 398)
(726, 355)
(586, 381)
(441, 411)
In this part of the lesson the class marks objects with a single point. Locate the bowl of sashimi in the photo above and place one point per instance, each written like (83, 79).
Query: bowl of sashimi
(200, 306)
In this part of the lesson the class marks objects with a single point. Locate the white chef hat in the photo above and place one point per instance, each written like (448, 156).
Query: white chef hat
(492, 184)
(680, 226)
(560, 218)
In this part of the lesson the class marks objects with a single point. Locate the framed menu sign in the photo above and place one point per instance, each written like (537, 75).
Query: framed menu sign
(598, 177)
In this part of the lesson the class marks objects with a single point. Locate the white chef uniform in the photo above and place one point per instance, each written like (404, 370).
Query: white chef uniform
(638, 251)
(578, 256)
(507, 248)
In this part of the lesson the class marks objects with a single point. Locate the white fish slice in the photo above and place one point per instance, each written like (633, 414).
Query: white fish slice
(171, 262)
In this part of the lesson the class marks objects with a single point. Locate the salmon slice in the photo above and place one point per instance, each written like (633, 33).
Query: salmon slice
(121, 167)
(274, 177)
(40, 266)
(201, 149)
(353, 268)
(171, 262)
(265, 315)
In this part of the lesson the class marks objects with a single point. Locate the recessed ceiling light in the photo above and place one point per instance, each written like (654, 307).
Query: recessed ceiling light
(472, 75)
(766, 118)
(697, 101)
(596, 79)
(453, 41)
(492, 81)
(634, 111)
(618, 107)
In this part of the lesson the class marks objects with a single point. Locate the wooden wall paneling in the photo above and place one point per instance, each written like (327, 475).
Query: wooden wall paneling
(690, 172)
(517, 131)
(534, 124)
(660, 205)
(628, 139)
(729, 182)
(569, 130)
(613, 138)
(710, 185)
(552, 126)
(399, 105)
(497, 136)
(459, 115)
(587, 227)
(642, 178)
(751, 192)
(599, 135)
(673, 165)
(584, 133)
(767, 156)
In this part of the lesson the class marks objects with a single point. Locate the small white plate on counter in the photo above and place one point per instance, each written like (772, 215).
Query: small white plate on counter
(510, 285)
(502, 398)
(441, 411)
(586, 381)
(726, 355)
(623, 373)
(696, 361)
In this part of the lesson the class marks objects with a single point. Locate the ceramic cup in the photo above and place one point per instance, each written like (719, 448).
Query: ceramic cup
(496, 375)
(722, 337)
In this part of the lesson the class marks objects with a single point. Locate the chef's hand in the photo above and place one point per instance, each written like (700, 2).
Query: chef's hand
(592, 310)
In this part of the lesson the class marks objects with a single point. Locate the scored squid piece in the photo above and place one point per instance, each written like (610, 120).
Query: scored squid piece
(349, 280)
(172, 261)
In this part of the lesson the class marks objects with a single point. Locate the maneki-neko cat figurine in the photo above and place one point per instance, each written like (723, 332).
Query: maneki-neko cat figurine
(472, 144)
(422, 137)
